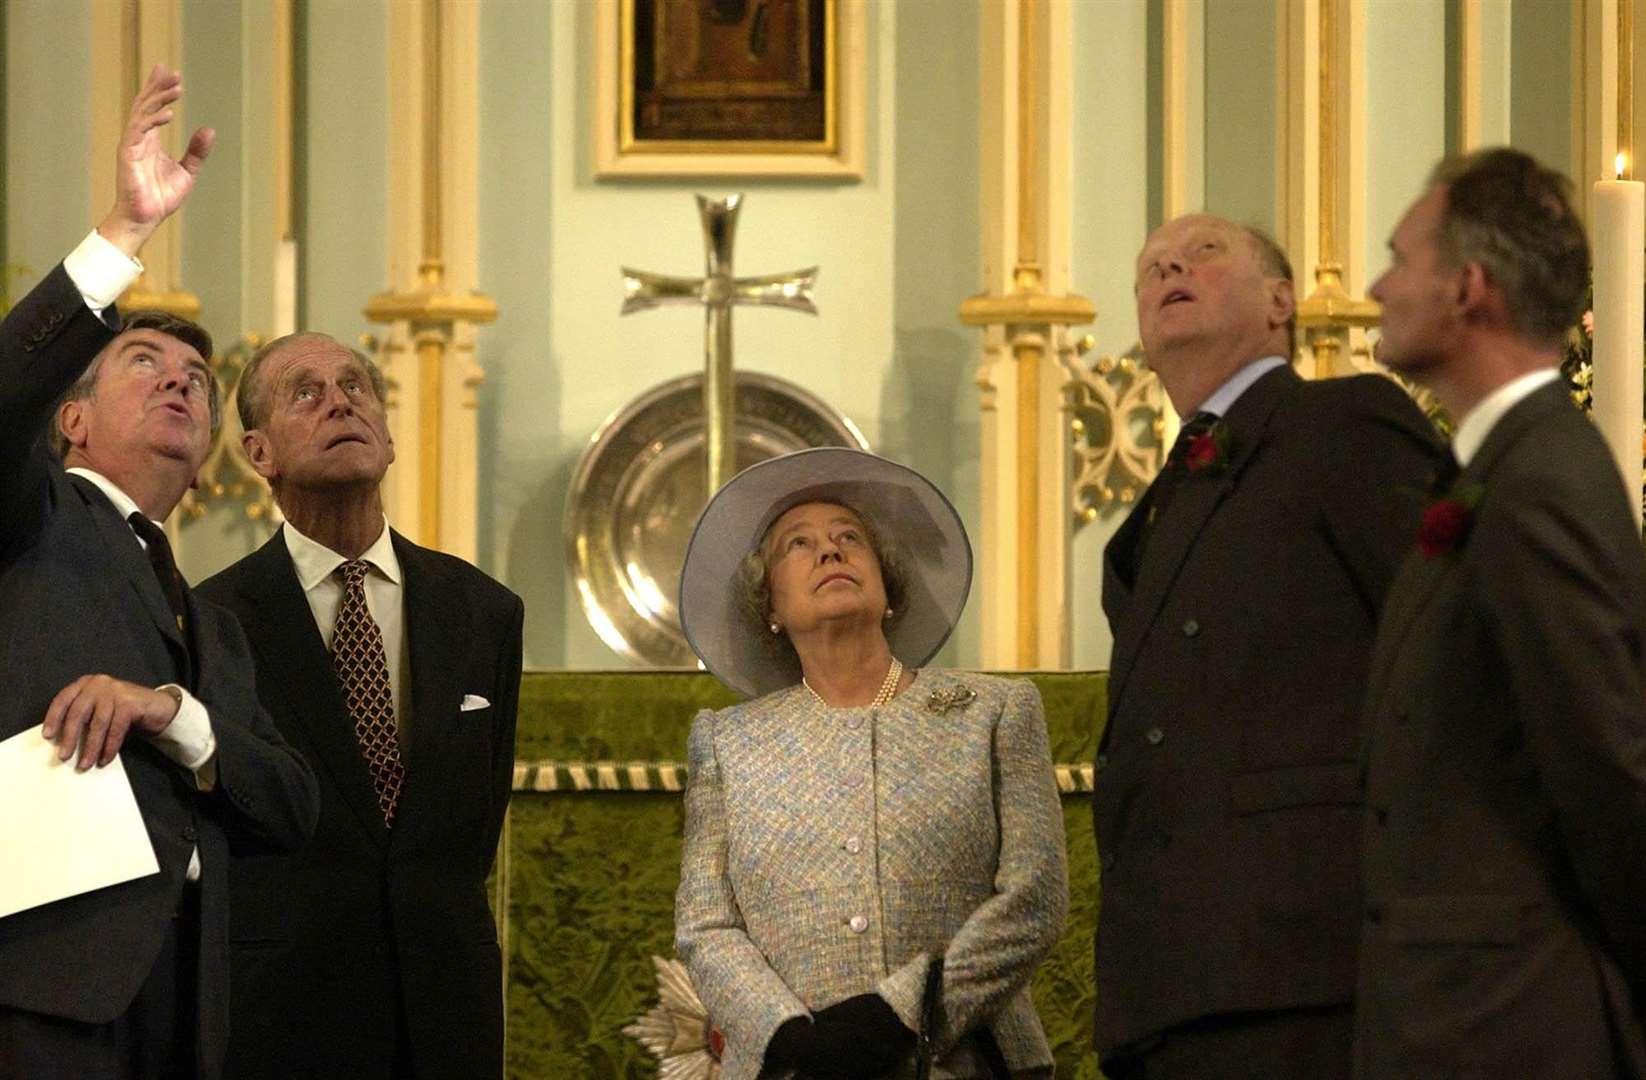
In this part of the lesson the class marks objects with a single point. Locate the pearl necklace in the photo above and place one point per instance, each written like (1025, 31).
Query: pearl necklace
(888, 689)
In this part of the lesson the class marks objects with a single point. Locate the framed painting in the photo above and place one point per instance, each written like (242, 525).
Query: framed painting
(729, 88)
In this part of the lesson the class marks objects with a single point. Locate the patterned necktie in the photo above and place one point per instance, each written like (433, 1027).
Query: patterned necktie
(363, 669)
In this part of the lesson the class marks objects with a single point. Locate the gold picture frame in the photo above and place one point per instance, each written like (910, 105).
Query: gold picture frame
(827, 134)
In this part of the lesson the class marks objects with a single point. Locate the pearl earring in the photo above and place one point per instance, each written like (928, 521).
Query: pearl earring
(889, 613)
(774, 627)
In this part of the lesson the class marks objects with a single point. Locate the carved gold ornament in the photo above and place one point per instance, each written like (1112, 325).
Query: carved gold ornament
(676, 1031)
(226, 476)
(1117, 427)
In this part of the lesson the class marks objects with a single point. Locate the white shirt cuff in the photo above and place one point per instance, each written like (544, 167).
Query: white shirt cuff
(100, 271)
(188, 739)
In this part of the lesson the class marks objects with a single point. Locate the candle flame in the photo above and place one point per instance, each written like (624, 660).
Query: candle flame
(1622, 164)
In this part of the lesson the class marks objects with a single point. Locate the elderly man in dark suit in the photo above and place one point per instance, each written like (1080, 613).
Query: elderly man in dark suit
(105, 647)
(1243, 592)
(1504, 850)
(396, 671)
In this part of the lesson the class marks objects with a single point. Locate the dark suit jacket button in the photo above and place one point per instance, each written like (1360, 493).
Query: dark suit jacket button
(1190, 628)
(1380, 815)
(1374, 914)
(1101, 763)
(1108, 861)
(1162, 839)
(190, 834)
(1154, 736)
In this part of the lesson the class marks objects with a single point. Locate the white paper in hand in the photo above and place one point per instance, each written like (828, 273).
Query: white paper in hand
(66, 832)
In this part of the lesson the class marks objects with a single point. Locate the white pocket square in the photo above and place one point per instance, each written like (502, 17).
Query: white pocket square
(472, 702)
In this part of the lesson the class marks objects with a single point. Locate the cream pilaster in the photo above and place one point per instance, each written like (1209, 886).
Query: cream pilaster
(1025, 312)
(1595, 48)
(1183, 107)
(1483, 74)
(431, 305)
(133, 37)
(268, 245)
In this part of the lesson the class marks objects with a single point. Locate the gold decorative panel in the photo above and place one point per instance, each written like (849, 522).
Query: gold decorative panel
(227, 477)
(1117, 426)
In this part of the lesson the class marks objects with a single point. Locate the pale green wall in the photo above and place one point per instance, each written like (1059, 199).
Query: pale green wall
(1405, 119)
(1543, 82)
(1240, 111)
(1111, 199)
(898, 251)
(343, 169)
(47, 121)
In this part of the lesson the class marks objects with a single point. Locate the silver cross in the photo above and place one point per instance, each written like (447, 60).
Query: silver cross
(717, 290)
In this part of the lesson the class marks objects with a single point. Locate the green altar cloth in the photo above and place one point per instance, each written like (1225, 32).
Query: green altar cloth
(592, 857)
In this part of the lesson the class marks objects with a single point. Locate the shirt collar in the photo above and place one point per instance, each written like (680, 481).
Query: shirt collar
(1224, 397)
(1474, 427)
(124, 503)
(315, 561)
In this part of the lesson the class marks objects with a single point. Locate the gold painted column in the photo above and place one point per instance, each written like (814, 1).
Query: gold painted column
(1025, 312)
(127, 39)
(431, 306)
(1183, 107)
(1325, 142)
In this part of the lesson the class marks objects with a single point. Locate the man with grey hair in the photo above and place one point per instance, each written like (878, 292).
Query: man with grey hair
(1243, 592)
(106, 652)
(396, 670)
(1503, 931)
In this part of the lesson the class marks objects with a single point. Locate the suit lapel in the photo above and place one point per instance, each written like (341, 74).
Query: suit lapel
(1420, 576)
(293, 657)
(133, 565)
(437, 628)
(1190, 508)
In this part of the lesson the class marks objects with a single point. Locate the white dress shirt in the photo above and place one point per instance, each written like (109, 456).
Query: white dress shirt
(316, 566)
(100, 271)
(1473, 428)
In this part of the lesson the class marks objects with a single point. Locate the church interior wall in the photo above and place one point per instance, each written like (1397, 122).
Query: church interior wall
(47, 119)
(1543, 84)
(898, 249)
(1240, 111)
(1406, 49)
(1111, 197)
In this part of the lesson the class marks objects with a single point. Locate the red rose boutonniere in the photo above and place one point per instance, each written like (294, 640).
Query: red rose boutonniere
(1447, 521)
(1208, 451)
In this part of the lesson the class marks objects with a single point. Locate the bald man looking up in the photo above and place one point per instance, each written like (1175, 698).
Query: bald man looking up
(1243, 594)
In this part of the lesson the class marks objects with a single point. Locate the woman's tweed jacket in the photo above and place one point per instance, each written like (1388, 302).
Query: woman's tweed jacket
(833, 852)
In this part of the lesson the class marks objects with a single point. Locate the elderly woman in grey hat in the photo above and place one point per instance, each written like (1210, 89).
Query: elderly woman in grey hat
(872, 851)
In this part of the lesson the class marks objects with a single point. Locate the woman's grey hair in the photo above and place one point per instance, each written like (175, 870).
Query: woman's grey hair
(753, 582)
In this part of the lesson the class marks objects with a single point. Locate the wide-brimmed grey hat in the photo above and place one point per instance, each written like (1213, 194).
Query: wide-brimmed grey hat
(902, 504)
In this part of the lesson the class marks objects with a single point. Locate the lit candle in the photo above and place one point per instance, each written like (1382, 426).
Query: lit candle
(1619, 238)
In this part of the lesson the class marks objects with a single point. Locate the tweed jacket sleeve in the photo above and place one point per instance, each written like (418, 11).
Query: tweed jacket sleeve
(747, 1000)
(995, 951)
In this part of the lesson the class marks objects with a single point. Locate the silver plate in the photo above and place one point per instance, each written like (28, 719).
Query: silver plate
(640, 486)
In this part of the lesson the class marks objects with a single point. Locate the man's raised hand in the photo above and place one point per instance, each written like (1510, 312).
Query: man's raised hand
(148, 183)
